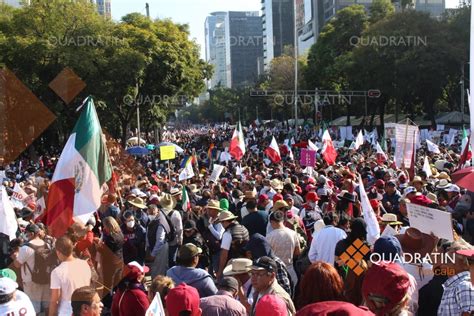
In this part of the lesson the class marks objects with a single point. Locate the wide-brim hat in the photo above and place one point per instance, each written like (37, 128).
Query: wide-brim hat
(390, 219)
(238, 266)
(250, 195)
(414, 241)
(225, 216)
(276, 184)
(417, 179)
(346, 195)
(168, 201)
(138, 202)
(443, 175)
(175, 191)
(193, 188)
(443, 184)
(214, 204)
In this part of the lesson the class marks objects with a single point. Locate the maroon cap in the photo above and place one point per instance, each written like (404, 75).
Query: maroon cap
(262, 197)
(183, 298)
(380, 184)
(333, 308)
(385, 281)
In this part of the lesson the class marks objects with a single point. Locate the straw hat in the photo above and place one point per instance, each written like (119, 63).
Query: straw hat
(417, 179)
(276, 184)
(390, 219)
(138, 202)
(444, 175)
(443, 184)
(225, 216)
(238, 266)
(168, 202)
(193, 188)
(214, 204)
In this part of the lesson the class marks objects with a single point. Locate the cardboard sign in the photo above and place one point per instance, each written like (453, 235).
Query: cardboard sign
(167, 152)
(430, 220)
(308, 158)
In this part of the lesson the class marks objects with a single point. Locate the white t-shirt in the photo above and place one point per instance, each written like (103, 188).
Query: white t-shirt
(283, 242)
(69, 276)
(20, 306)
(26, 255)
(226, 241)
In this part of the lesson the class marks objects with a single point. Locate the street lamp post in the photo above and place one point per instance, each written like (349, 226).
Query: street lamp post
(296, 64)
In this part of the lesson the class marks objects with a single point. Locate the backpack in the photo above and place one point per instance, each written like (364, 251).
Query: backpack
(153, 227)
(45, 261)
(303, 238)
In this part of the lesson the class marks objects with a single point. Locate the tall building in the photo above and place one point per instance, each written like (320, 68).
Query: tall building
(244, 44)
(234, 46)
(214, 30)
(278, 28)
(434, 7)
(104, 7)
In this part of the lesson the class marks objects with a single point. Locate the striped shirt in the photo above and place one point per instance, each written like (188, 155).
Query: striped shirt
(458, 296)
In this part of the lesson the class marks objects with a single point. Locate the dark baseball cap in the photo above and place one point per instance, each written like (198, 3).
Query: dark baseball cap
(229, 283)
(189, 225)
(265, 263)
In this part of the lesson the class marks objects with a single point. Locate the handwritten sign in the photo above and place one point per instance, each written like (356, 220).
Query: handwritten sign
(216, 173)
(308, 158)
(167, 152)
(430, 220)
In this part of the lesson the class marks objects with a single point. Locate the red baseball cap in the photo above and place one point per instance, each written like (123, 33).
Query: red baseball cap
(262, 198)
(271, 305)
(154, 188)
(334, 308)
(183, 298)
(134, 270)
(385, 281)
(312, 196)
(380, 184)
(374, 203)
(277, 197)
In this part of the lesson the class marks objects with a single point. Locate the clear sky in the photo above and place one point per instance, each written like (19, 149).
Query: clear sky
(193, 12)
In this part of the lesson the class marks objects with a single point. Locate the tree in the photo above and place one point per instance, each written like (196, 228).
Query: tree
(380, 9)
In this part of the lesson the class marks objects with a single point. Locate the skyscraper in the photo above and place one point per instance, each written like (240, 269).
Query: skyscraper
(244, 42)
(278, 28)
(214, 29)
(104, 7)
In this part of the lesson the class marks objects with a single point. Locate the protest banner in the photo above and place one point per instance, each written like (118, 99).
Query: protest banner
(156, 307)
(216, 173)
(430, 220)
(167, 152)
(308, 158)
(405, 136)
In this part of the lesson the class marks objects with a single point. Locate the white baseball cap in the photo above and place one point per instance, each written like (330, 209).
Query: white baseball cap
(7, 286)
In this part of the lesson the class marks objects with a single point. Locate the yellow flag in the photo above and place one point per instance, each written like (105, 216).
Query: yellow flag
(167, 152)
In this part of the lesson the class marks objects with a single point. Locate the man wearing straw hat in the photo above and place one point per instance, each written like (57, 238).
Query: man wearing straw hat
(168, 204)
(234, 239)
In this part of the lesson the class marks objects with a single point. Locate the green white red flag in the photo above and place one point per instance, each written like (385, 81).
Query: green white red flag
(80, 174)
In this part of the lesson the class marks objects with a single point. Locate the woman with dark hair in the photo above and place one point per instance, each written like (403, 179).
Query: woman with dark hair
(330, 286)
(353, 281)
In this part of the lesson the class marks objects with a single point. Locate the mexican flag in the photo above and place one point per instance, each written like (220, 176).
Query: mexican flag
(186, 202)
(82, 170)
(237, 143)
(329, 151)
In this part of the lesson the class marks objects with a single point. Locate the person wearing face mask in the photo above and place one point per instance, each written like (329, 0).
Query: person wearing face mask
(134, 239)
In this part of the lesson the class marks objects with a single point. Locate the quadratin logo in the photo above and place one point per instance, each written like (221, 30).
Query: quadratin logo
(354, 254)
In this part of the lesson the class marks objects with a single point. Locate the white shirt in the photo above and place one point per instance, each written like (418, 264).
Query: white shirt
(226, 241)
(323, 247)
(178, 226)
(283, 242)
(20, 305)
(69, 276)
(26, 256)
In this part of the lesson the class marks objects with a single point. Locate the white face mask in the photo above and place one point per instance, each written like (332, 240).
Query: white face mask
(131, 224)
(151, 217)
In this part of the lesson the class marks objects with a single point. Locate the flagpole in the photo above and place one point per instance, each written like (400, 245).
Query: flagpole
(471, 79)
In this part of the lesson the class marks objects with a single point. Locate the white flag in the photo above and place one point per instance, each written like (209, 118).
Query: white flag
(427, 168)
(312, 146)
(373, 228)
(433, 147)
(156, 307)
(238, 170)
(8, 223)
(359, 141)
(187, 172)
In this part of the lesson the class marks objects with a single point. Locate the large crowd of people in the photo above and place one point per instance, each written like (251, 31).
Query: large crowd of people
(262, 238)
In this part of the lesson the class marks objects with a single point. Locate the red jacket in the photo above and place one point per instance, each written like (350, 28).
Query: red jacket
(133, 303)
